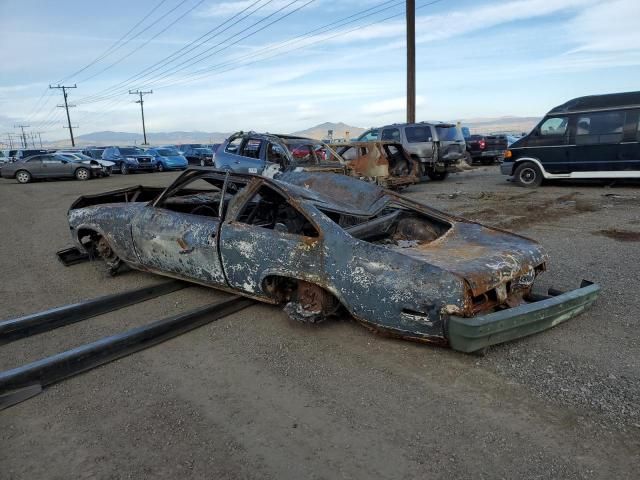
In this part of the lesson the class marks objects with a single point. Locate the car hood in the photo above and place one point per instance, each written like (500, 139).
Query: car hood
(484, 257)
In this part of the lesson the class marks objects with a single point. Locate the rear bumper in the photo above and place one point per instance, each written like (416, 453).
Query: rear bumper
(488, 153)
(475, 333)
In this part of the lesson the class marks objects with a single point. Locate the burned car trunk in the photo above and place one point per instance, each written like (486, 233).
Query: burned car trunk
(384, 162)
(315, 242)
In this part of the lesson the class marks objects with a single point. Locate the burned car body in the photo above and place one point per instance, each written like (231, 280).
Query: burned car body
(268, 154)
(383, 162)
(317, 242)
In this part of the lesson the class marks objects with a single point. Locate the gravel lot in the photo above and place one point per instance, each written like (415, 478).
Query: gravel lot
(255, 395)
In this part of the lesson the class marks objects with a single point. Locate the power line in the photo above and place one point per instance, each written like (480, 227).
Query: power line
(109, 50)
(141, 102)
(310, 34)
(225, 40)
(202, 73)
(135, 50)
(38, 107)
(188, 63)
(183, 50)
(66, 106)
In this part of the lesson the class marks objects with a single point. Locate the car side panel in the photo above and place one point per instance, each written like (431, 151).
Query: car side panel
(113, 221)
(237, 163)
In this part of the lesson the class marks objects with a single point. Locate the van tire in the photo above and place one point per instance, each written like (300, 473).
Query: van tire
(528, 175)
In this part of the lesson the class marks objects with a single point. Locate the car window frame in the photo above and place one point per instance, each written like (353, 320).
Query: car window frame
(252, 189)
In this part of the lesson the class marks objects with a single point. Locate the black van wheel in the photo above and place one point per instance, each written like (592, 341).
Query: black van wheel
(528, 175)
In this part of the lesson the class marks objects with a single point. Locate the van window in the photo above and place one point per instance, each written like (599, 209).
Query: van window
(554, 126)
(602, 127)
(418, 134)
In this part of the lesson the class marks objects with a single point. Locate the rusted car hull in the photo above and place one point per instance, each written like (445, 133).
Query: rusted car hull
(396, 265)
(384, 162)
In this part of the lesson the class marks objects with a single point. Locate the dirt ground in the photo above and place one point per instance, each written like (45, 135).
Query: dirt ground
(257, 396)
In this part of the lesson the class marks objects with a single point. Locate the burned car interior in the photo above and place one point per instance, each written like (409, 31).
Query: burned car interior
(200, 197)
(269, 209)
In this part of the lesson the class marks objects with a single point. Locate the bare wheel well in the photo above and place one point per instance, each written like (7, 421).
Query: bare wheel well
(88, 237)
(309, 298)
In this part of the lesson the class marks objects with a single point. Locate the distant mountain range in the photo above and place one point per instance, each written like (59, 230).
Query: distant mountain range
(340, 130)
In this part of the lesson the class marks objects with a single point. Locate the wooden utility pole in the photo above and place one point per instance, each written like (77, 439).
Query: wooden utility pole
(66, 107)
(24, 136)
(141, 102)
(411, 61)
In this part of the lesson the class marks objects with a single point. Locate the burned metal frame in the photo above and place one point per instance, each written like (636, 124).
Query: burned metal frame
(376, 163)
(28, 325)
(23, 382)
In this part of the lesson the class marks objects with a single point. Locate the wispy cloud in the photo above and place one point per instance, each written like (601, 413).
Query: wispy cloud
(611, 26)
(229, 8)
(391, 105)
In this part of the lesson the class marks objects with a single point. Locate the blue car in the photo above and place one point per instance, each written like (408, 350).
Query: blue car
(129, 159)
(168, 158)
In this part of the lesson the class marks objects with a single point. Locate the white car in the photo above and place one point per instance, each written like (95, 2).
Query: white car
(106, 165)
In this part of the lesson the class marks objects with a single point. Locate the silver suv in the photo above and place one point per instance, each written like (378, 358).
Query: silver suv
(437, 146)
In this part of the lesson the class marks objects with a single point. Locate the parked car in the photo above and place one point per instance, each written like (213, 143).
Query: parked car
(107, 166)
(129, 159)
(384, 163)
(588, 137)
(50, 165)
(197, 154)
(21, 153)
(93, 152)
(436, 146)
(317, 242)
(213, 147)
(168, 158)
(265, 153)
(486, 149)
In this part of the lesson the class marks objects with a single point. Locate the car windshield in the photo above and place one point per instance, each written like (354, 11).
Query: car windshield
(131, 151)
(167, 152)
(449, 133)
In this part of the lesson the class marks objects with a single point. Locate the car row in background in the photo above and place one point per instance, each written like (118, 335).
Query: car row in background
(197, 154)
(26, 165)
(51, 165)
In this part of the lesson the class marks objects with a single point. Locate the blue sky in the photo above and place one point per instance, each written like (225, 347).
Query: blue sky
(481, 58)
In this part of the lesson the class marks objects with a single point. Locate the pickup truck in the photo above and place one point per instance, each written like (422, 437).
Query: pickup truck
(486, 148)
